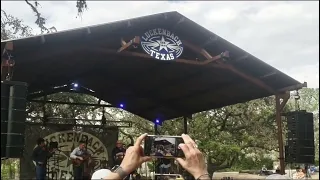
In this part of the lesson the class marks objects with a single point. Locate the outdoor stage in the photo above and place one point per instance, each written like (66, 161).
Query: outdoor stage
(158, 67)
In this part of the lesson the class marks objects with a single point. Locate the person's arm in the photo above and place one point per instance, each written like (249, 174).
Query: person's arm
(73, 154)
(35, 153)
(113, 154)
(50, 153)
(112, 176)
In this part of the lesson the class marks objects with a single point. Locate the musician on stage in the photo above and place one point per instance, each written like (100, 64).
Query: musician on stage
(40, 156)
(78, 154)
(118, 153)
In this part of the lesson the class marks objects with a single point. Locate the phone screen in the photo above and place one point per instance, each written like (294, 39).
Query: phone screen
(163, 146)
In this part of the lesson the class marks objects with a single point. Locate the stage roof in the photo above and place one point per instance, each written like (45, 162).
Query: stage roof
(147, 87)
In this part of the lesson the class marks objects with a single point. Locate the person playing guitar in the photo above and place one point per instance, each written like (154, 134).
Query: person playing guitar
(79, 157)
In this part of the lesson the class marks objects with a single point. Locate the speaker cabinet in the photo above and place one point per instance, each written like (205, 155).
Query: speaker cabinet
(13, 117)
(299, 155)
(300, 146)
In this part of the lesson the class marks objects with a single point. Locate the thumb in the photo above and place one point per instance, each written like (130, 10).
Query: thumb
(182, 162)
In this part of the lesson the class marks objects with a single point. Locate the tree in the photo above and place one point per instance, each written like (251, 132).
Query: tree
(225, 134)
(81, 5)
(12, 27)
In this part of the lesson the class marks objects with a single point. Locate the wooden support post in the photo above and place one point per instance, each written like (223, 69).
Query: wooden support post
(279, 108)
(285, 99)
(156, 129)
(185, 124)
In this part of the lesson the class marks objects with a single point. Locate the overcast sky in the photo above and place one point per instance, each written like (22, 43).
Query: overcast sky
(283, 34)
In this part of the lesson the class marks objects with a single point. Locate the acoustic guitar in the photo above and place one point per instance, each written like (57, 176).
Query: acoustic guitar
(78, 162)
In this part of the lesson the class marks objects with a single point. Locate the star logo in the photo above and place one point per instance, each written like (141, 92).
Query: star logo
(163, 44)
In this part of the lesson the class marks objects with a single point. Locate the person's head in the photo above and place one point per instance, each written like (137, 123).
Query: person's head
(119, 144)
(82, 145)
(40, 142)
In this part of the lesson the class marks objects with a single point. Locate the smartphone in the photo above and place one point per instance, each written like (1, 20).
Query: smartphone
(169, 176)
(163, 146)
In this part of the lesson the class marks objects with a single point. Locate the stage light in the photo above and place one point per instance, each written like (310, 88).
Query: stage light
(121, 105)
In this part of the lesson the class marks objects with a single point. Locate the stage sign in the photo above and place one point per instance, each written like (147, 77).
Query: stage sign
(69, 140)
(161, 44)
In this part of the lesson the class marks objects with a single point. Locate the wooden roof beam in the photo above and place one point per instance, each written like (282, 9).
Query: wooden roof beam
(249, 78)
(294, 87)
(146, 56)
(134, 41)
(231, 68)
(204, 53)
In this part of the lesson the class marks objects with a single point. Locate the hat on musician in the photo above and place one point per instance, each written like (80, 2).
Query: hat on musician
(100, 174)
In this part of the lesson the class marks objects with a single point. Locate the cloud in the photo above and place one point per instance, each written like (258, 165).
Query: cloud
(283, 34)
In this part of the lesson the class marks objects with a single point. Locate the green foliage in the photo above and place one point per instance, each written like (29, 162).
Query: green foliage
(66, 111)
(12, 27)
(226, 134)
(9, 169)
(251, 163)
(150, 166)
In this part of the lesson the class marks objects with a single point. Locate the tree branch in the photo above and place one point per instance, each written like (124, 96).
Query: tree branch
(40, 20)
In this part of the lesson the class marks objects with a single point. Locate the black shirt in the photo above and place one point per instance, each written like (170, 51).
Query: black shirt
(40, 154)
(115, 151)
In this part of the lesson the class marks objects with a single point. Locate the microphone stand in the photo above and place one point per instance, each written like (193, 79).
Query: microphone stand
(58, 162)
(55, 170)
(47, 162)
